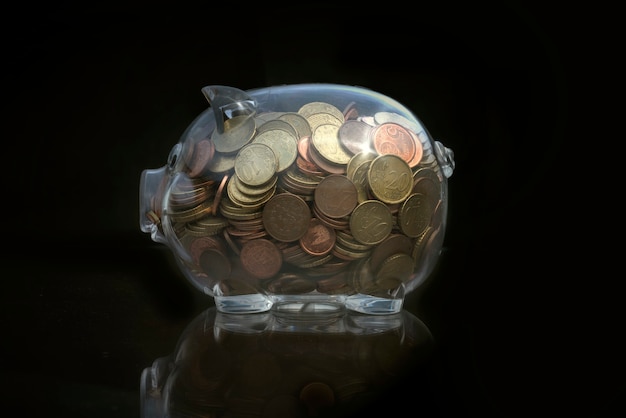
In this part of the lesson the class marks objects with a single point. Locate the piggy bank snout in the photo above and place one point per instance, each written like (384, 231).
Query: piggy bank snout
(152, 187)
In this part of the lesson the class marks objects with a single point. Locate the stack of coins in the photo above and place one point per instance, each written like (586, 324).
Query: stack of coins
(316, 199)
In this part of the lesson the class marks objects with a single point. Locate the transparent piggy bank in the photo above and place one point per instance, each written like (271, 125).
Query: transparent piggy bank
(305, 198)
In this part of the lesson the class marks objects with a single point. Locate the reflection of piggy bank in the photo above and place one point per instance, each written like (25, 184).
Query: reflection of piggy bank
(266, 365)
(309, 197)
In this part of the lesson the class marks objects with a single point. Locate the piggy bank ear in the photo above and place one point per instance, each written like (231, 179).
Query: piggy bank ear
(227, 103)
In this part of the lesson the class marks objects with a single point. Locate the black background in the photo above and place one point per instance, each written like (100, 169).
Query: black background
(523, 305)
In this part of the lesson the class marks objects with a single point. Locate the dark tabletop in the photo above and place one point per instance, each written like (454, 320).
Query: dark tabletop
(94, 96)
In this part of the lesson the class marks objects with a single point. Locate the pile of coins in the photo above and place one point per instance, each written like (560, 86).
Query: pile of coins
(312, 200)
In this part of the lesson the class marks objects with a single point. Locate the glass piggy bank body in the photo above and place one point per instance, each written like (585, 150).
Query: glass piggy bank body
(302, 198)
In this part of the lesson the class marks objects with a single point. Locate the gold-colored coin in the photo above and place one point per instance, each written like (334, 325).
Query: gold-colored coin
(254, 190)
(346, 240)
(255, 164)
(276, 124)
(231, 210)
(359, 178)
(297, 182)
(326, 143)
(415, 214)
(390, 178)
(192, 214)
(206, 226)
(298, 122)
(357, 159)
(371, 222)
(320, 107)
(247, 201)
(395, 267)
(284, 144)
(183, 199)
(238, 131)
(261, 118)
(222, 163)
(318, 119)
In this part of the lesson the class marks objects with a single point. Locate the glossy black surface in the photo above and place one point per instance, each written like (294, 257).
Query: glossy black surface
(524, 308)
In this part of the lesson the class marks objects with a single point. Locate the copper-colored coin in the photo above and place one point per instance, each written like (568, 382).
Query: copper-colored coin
(218, 195)
(261, 258)
(350, 111)
(201, 244)
(317, 396)
(203, 153)
(319, 239)
(391, 138)
(215, 264)
(303, 148)
(183, 151)
(426, 181)
(335, 223)
(336, 196)
(419, 150)
(286, 217)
